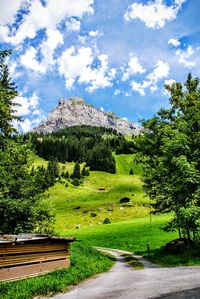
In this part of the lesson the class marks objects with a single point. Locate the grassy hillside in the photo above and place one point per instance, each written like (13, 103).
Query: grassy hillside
(131, 227)
(74, 205)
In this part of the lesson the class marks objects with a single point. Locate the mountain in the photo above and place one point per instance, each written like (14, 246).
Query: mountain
(76, 112)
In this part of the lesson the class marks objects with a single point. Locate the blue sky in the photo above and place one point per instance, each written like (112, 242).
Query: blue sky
(115, 54)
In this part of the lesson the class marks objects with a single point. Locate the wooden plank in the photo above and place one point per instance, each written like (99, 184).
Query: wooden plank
(30, 248)
(13, 260)
(32, 270)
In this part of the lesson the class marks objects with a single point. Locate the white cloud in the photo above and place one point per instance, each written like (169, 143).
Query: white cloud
(102, 109)
(139, 87)
(8, 10)
(155, 14)
(26, 125)
(77, 66)
(134, 67)
(43, 17)
(160, 71)
(174, 42)
(73, 24)
(169, 82)
(47, 48)
(28, 105)
(185, 55)
(95, 33)
(29, 111)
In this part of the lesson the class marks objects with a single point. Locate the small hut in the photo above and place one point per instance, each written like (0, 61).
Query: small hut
(32, 254)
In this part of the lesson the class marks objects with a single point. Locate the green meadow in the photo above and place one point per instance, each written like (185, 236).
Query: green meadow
(131, 228)
(74, 205)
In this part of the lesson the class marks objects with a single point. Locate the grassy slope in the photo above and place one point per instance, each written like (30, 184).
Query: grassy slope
(134, 235)
(130, 227)
(88, 197)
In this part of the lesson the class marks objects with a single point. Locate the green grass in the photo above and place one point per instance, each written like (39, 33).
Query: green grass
(133, 262)
(90, 199)
(134, 236)
(130, 227)
(85, 262)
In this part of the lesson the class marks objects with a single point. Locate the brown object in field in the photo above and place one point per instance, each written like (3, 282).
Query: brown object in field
(30, 255)
(102, 189)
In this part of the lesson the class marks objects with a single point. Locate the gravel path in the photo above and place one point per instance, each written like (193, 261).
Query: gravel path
(122, 282)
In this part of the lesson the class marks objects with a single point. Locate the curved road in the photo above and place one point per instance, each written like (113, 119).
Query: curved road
(122, 282)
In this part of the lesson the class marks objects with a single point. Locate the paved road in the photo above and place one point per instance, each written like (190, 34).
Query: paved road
(122, 282)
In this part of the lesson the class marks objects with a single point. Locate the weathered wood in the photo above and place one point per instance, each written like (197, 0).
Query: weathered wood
(26, 248)
(20, 272)
(14, 260)
(27, 255)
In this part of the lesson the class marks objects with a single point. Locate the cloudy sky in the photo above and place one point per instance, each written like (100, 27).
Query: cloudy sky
(115, 54)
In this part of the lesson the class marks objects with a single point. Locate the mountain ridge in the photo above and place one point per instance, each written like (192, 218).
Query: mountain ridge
(76, 112)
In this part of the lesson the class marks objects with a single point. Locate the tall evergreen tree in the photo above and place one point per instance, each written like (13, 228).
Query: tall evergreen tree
(22, 208)
(77, 171)
(8, 92)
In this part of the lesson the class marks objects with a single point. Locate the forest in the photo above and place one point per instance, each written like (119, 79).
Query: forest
(92, 145)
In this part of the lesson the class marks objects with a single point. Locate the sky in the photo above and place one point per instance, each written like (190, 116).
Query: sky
(115, 54)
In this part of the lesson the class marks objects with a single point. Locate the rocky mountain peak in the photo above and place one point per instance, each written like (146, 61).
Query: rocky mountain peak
(76, 112)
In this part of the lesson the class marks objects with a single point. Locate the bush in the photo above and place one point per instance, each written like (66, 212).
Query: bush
(131, 172)
(106, 221)
(76, 182)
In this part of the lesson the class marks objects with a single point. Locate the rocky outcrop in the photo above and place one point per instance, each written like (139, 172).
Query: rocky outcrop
(76, 112)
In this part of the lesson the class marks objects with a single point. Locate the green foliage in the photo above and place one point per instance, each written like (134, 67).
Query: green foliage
(77, 171)
(22, 207)
(7, 93)
(189, 219)
(169, 147)
(101, 158)
(85, 262)
(78, 143)
(75, 182)
(131, 172)
(52, 172)
(83, 172)
(106, 221)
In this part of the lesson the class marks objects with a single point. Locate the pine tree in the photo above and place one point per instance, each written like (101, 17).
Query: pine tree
(83, 172)
(7, 94)
(76, 172)
(22, 208)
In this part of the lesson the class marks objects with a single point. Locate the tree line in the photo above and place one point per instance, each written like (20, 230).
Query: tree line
(92, 145)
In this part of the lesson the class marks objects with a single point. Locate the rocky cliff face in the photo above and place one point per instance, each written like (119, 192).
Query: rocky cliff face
(75, 112)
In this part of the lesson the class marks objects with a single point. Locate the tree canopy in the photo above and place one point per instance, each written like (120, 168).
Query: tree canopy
(170, 149)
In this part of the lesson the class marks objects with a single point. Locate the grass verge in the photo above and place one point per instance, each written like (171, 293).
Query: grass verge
(85, 262)
(134, 236)
(133, 262)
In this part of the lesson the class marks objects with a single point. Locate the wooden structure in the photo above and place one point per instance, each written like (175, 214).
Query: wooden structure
(30, 255)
